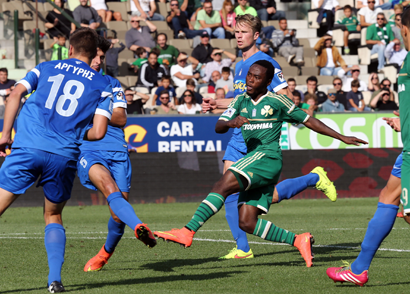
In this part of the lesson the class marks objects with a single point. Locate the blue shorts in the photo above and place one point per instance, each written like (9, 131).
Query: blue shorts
(118, 163)
(232, 153)
(396, 171)
(23, 166)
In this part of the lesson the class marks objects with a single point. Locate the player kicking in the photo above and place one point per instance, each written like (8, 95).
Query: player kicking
(246, 33)
(50, 127)
(260, 113)
(105, 165)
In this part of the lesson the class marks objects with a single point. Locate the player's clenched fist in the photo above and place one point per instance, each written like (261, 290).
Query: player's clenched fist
(238, 122)
(4, 143)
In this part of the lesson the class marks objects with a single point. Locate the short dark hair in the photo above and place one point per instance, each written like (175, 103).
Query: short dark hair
(153, 53)
(4, 69)
(164, 92)
(163, 34)
(128, 89)
(296, 93)
(190, 82)
(61, 35)
(386, 79)
(208, 1)
(226, 69)
(347, 7)
(165, 77)
(140, 51)
(337, 78)
(282, 18)
(311, 79)
(355, 83)
(291, 80)
(192, 96)
(270, 69)
(156, 51)
(84, 41)
(103, 44)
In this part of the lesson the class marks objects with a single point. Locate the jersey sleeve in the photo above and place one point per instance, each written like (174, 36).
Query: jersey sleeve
(289, 112)
(105, 104)
(118, 95)
(233, 109)
(30, 81)
(278, 81)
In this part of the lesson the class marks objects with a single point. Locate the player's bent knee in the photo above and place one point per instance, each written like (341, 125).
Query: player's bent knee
(247, 226)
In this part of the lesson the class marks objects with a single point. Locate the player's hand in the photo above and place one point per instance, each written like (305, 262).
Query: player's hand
(4, 143)
(393, 122)
(208, 104)
(238, 122)
(353, 141)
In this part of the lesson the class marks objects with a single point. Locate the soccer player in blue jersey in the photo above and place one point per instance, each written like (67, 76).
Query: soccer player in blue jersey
(105, 165)
(68, 96)
(246, 33)
(379, 226)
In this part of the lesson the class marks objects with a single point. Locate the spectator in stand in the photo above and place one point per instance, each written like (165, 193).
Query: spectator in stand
(396, 28)
(215, 77)
(102, 9)
(139, 36)
(382, 102)
(189, 6)
(327, 10)
(142, 55)
(191, 85)
(218, 63)
(340, 94)
(203, 51)
(145, 9)
(398, 9)
(168, 53)
(209, 20)
(285, 40)
(382, 4)
(331, 104)
(226, 82)
(329, 59)
(182, 71)
(355, 98)
(179, 22)
(165, 106)
(57, 23)
(311, 101)
(6, 85)
(297, 99)
(378, 35)
(165, 85)
(151, 72)
(395, 54)
(111, 57)
(351, 25)
(373, 83)
(266, 9)
(219, 93)
(347, 80)
(311, 83)
(87, 16)
(135, 101)
(189, 105)
(59, 42)
(228, 19)
(292, 87)
(368, 14)
(384, 84)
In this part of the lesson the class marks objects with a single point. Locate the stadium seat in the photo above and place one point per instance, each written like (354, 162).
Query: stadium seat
(343, 3)
(274, 23)
(121, 7)
(234, 44)
(364, 55)
(126, 54)
(180, 44)
(132, 80)
(162, 9)
(363, 36)
(304, 42)
(203, 91)
(325, 80)
(396, 97)
(338, 37)
(179, 91)
(117, 25)
(309, 52)
(9, 7)
(220, 43)
(290, 71)
(310, 71)
(123, 81)
(390, 72)
(309, 62)
(325, 88)
(264, 23)
(367, 96)
(160, 25)
(301, 80)
(117, 34)
(47, 6)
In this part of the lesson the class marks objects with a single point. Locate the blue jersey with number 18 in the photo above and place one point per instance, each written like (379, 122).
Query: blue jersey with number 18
(241, 71)
(55, 117)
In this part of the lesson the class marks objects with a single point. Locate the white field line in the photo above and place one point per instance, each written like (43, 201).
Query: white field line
(13, 236)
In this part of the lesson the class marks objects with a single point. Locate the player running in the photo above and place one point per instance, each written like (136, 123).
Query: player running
(68, 96)
(105, 165)
(260, 113)
(246, 33)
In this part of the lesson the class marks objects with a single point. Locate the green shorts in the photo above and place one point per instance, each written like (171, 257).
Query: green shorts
(262, 172)
(405, 183)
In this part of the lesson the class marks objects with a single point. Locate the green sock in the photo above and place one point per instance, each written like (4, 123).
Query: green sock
(211, 205)
(268, 231)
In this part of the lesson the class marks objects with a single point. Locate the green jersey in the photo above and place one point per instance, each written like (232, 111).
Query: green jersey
(404, 99)
(350, 23)
(265, 117)
(170, 54)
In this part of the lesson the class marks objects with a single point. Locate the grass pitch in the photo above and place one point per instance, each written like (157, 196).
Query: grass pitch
(338, 229)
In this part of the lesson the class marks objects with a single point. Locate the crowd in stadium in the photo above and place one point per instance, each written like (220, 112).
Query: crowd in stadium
(170, 80)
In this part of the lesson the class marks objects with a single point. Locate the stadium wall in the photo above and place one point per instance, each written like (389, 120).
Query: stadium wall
(189, 176)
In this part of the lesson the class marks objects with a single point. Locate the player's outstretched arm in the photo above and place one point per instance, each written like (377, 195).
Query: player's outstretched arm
(223, 126)
(119, 117)
(97, 132)
(319, 127)
(12, 107)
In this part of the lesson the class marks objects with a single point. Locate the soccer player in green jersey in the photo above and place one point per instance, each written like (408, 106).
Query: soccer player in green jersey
(259, 113)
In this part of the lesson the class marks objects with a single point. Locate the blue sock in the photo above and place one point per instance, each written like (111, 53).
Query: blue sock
(115, 232)
(54, 240)
(378, 229)
(123, 210)
(232, 216)
(291, 187)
